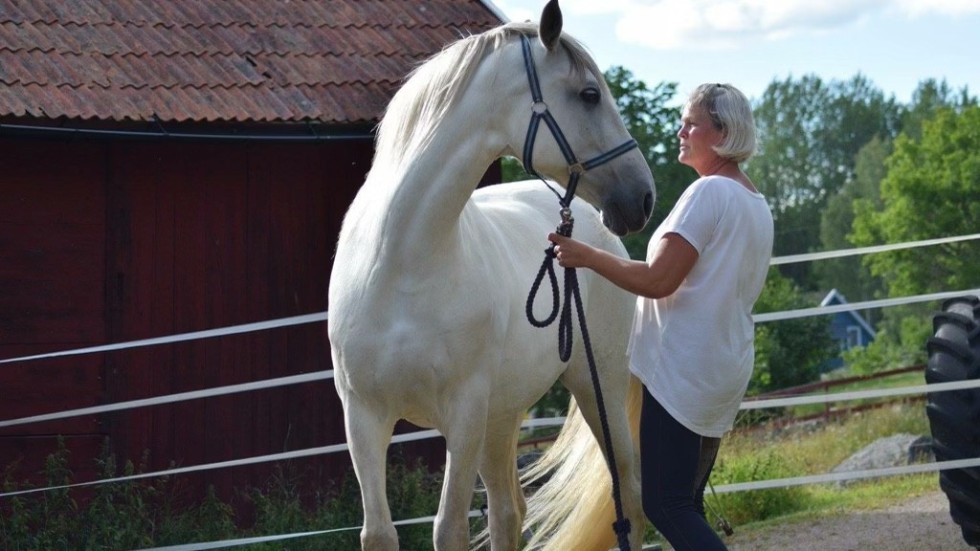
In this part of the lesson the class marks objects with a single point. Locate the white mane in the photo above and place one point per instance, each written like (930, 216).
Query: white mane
(417, 109)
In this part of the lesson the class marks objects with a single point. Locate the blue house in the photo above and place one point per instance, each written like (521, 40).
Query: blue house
(849, 329)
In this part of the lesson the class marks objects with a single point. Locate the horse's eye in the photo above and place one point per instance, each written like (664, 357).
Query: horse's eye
(590, 95)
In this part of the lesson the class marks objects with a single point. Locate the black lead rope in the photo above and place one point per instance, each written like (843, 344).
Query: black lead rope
(622, 525)
(539, 113)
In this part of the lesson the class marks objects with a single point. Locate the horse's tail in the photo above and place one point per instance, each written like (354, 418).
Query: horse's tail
(573, 508)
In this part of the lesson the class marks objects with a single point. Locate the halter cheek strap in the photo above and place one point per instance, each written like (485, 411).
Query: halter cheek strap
(539, 112)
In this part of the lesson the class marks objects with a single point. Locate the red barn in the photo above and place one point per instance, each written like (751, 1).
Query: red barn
(172, 167)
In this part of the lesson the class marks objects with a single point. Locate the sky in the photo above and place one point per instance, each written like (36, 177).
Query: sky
(896, 44)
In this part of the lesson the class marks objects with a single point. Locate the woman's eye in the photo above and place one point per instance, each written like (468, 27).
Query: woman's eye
(590, 95)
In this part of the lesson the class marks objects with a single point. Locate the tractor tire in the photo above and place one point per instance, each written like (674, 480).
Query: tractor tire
(954, 416)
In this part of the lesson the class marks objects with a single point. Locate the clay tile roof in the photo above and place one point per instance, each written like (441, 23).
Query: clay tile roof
(333, 61)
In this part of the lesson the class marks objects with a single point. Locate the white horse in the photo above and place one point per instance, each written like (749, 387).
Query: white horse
(427, 295)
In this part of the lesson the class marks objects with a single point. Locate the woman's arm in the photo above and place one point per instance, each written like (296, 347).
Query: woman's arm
(672, 260)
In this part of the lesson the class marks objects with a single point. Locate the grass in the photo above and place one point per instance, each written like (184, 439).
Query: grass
(761, 455)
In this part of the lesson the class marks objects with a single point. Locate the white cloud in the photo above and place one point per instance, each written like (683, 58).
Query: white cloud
(714, 24)
(915, 8)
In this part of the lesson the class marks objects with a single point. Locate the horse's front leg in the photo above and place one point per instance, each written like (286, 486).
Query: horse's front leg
(368, 435)
(505, 497)
(464, 430)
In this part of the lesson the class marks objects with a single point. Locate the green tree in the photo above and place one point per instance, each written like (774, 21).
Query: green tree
(929, 97)
(849, 275)
(810, 133)
(788, 352)
(932, 189)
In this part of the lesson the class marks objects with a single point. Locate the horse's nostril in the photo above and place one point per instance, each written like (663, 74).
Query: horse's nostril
(648, 204)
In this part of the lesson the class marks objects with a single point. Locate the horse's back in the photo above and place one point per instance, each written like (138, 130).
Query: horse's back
(520, 215)
(520, 207)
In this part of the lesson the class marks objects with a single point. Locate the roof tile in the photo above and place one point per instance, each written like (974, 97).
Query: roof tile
(336, 62)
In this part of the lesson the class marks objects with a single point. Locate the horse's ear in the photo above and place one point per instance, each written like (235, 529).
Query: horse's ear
(549, 30)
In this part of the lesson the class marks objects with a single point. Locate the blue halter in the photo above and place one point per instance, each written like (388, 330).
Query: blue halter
(539, 110)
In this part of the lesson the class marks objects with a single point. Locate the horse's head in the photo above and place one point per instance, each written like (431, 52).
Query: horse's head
(575, 125)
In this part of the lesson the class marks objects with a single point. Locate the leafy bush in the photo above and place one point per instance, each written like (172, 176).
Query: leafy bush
(749, 506)
(122, 515)
(138, 514)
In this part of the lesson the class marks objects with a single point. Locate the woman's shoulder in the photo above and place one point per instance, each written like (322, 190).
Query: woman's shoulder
(718, 185)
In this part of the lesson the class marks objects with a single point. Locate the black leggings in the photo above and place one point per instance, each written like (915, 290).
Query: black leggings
(675, 465)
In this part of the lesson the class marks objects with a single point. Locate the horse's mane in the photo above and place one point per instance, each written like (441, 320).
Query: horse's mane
(433, 87)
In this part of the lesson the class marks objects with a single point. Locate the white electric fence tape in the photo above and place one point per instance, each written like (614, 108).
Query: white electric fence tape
(322, 316)
(171, 398)
(296, 454)
(917, 468)
(265, 539)
(882, 303)
(807, 257)
(206, 334)
(327, 374)
(859, 395)
(727, 488)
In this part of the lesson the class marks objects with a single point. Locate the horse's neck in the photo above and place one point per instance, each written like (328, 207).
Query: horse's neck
(421, 215)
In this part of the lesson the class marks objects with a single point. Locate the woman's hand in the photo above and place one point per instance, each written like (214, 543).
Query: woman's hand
(671, 260)
(571, 253)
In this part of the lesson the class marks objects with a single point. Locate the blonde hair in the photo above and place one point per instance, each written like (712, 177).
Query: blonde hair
(731, 113)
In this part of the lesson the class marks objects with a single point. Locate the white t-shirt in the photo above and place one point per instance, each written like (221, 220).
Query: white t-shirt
(693, 350)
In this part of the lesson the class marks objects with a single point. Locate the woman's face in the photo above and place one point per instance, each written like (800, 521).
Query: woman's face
(698, 136)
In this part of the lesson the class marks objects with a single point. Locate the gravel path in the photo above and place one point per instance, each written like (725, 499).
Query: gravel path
(920, 524)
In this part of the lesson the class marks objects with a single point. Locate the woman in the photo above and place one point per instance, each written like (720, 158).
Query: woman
(692, 341)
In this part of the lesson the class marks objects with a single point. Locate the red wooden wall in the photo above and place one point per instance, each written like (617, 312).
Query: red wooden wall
(113, 241)
(52, 279)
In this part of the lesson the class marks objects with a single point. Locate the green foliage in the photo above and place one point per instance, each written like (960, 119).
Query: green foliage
(135, 514)
(932, 189)
(809, 133)
(898, 343)
(118, 516)
(742, 507)
(930, 97)
(512, 171)
(849, 275)
(554, 402)
(787, 352)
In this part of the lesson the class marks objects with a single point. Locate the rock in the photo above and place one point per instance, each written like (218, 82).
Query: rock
(892, 451)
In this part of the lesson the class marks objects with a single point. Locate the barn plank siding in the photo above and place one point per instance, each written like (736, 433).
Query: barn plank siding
(116, 240)
(52, 274)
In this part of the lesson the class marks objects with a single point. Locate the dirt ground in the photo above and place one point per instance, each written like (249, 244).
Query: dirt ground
(920, 524)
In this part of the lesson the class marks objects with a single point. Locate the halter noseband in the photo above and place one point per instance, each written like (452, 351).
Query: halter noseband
(539, 110)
